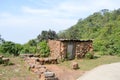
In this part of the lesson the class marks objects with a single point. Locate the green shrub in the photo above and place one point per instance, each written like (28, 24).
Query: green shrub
(101, 53)
(89, 55)
(1, 61)
(44, 49)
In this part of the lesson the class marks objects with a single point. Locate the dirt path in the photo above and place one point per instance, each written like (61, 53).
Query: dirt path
(104, 72)
(63, 73)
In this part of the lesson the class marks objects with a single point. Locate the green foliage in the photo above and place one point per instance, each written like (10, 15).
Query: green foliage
(102, 27)
(89, 55)
(45, 35)
(11, 48)
(28, 49)
(32, 42)
(44, 49)
(1, 61)
(25, 49)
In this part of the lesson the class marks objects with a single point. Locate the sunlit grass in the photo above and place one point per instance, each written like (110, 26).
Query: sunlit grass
(88, 64)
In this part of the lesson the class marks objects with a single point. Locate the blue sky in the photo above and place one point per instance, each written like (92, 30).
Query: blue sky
(22, 20)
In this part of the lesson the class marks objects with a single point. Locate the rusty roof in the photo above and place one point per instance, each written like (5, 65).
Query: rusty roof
(74, 40)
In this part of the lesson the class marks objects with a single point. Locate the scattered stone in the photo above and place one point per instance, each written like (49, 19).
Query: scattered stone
(26, 55)
(36, 65)
(1, 74)
(54, 60)
(41, 61)
(5, 60)
(36, 55)
(48, 76)
(75, 65)
(47, 60)
(29, 55)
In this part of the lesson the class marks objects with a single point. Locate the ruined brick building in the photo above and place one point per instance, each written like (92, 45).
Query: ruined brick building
(69, 48)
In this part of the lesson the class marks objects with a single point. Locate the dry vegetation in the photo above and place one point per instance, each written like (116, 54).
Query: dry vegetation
(19, 70)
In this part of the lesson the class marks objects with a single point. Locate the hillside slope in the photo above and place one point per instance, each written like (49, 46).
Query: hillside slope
(102, 27)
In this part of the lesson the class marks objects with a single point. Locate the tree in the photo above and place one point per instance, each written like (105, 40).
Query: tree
(45, 35)
(32, 42)
(103, 27)
(104, 11)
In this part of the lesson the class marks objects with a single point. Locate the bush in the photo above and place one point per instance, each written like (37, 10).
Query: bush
(89, 55)
(44, 49)
(1, 61)
(101, 53)
(11, 48)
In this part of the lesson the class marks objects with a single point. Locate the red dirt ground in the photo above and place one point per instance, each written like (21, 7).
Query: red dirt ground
(63, 73)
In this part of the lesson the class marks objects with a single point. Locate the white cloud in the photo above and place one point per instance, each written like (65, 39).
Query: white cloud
(106, 4)
(34, 11)
(23, 29)
(88, 6)
(47, 13)
(37, 22)
(5, 14)
(12, 21)
(63, 14)
(72, 7)
(59, 16)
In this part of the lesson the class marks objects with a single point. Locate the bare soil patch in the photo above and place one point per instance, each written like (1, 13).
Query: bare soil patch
(64, 73)
(20, 71)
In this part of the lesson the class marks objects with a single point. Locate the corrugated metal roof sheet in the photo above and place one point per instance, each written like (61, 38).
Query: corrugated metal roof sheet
(74, 40)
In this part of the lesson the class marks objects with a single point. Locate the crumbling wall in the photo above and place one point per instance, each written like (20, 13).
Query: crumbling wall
(58, 49)
(82, 48)
(63, 50)
(54, 46)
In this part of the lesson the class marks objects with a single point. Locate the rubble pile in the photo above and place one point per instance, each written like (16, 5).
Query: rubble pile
(4, 60)
(37, 65)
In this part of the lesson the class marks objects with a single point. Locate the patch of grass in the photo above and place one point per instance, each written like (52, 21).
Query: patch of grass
(18, 71)
(88, 64)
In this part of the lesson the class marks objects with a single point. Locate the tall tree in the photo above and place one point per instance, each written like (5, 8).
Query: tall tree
(45, 35)
(32, 42)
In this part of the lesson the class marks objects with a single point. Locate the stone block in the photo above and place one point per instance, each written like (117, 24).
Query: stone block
(48, 76)
(75, 65)
(5, 60)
